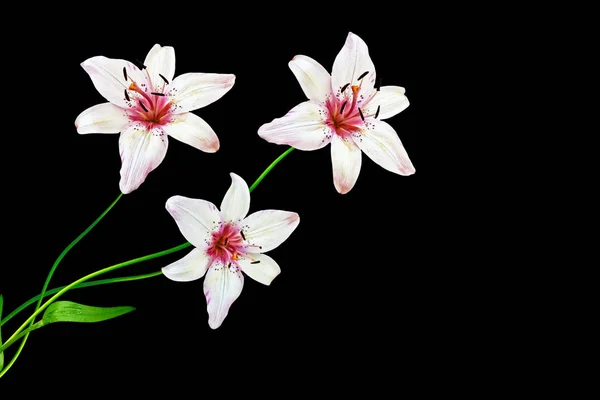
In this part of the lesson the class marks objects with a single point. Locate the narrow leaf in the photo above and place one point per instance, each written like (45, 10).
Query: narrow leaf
(1, 353)
(68, 311)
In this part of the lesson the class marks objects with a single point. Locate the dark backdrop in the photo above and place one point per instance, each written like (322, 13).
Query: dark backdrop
(351, 297)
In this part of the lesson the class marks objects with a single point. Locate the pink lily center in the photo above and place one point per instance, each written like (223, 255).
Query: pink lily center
(148, 105)
(226, 244)
(346, 109)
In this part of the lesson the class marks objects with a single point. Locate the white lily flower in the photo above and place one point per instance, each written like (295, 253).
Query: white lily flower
(227, 243)
(346, 110)
(147, 105)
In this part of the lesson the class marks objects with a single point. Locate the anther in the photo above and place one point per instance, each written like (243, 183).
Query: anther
(140, 64)
(229, 266)
(242, 233)
(343, 105)
(157, 94)
(226, 240)
(254, 262)
(126, 95)
(378, 109)
(344, 87)
(363, 75)
(124, 73)
(144, 107)
(164, 79)
(361, 115)
(379, 86)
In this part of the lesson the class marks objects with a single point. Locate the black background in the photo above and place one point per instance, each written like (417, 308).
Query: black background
(351, 297)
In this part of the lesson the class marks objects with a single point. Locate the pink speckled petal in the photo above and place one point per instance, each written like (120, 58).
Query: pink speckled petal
(346, 159)
(222, 286)
(193, 130)
(313, 78)
(381, 143)
(141, 152)
(390, 99)
(195, 218)
(107, 77)
(191, 267)
(303, 127)
(264, 271)
(267, 229)
(236, 203)
(160, 61)
(351, 62)
(194, 90)
(102, 118)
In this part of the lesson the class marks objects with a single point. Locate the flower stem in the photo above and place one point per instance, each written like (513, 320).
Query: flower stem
(269, 168)
(80, 282)
(80, 286)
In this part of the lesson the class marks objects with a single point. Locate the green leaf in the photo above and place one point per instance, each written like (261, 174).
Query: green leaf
(2, 353)
(67, 311)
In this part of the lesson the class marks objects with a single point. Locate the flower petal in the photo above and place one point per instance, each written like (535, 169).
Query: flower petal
(102, 118)
(222, 286)
(141, 151)
(192, 91)
(381, 143)
(313, 78)
(303, 127)
(193, 130)
(191, 267)
(107, 77)
(346, 159)
(195, 218)
(351, 62)
(236, 203)
(390, 99)
(267, 229)
(264, 271)
(160, 60)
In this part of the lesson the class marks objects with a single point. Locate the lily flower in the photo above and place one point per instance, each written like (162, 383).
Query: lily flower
(227, 243)
(346, 110)
(146, 105)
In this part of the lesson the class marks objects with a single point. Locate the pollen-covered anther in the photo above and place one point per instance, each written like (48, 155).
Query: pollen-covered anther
(143, 106)
(157, 93)
(242, 233)
(378, 109)
(126, 95)
(363, 75)
(344, 87)
(164, 79)
(361, 114)
(343, 106)
(125, 73)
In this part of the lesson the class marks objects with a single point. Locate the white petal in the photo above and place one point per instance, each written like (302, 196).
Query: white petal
(303, 127)
(107, 77)
(346, 159)
(236, 203)
(381, 143)
(195, 218)
(222, 286)
(192, 91)
(141, 152)
(191, 267)
(313, 78)
(390, 99)
(160, 60)
(351, 62)
(264, 271)
(267, 229)
(102, 118)
(191, 129)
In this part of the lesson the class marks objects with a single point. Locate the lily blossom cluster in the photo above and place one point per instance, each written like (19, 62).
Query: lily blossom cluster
(146, 105)
(346, 110)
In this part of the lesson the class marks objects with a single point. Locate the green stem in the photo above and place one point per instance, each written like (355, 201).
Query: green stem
(83, 285)
(114, 267)
(88, 277)
(33, 327)
(269, 168)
